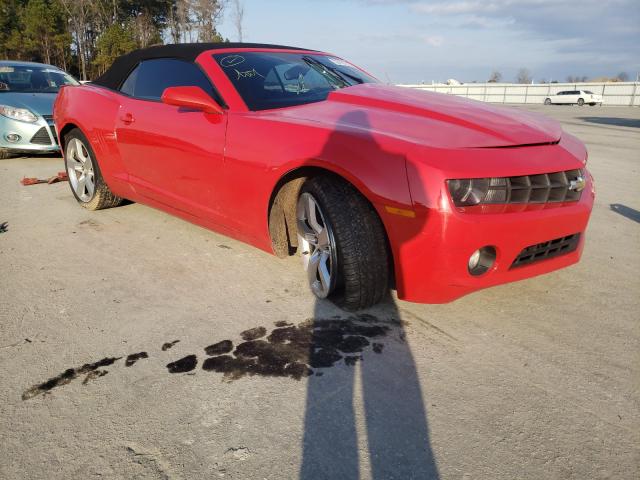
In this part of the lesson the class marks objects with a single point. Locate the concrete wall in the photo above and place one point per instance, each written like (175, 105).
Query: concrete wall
(613, 93)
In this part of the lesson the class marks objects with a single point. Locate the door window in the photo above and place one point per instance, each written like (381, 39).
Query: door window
(151, 77)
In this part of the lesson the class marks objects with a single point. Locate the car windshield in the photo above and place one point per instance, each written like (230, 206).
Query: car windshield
(267, 80)
(33, 79)
(589, 92)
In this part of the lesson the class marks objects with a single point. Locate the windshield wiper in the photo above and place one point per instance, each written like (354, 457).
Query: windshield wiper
(345, 74)
(339, 73)
(325, 71)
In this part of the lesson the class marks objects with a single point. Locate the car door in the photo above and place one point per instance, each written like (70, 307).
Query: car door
(573, 97)
(561, 98)
(173, 155)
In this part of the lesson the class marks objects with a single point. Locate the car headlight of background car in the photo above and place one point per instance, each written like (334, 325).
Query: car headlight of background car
(15, 113)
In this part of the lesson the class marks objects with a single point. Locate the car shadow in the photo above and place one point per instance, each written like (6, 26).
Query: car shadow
(630, 213)
(377, 396)
(618, 122)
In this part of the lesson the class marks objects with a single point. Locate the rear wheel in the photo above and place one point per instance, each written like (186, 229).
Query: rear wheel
(547, 101)
(85, 179)
(581, 101)
(342, 243)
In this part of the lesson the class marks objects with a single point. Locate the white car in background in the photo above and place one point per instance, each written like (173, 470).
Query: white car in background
(572, 97)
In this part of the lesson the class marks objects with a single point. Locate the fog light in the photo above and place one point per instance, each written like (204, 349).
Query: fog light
(12, 137)
(482, 260)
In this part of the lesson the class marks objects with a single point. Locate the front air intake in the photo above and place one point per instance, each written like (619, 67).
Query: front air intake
(546, 250)
(41, 137)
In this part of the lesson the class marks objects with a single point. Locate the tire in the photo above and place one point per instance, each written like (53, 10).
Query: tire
(357, 254)
(4, 154)
(85, 179)
(547, 101)
(581, 102)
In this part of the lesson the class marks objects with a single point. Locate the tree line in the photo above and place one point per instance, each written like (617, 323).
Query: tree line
(83, 37)
(524, 76)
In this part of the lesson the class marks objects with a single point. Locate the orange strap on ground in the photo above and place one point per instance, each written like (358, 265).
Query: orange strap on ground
(60, 177)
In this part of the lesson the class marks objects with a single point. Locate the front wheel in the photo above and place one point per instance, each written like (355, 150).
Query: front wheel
(581, 102)
(85, 179)
(547, 101)
(343, 244)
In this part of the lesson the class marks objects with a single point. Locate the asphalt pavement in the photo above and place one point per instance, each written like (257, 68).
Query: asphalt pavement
(117, 326)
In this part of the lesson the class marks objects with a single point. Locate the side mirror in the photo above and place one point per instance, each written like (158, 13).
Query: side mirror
(191, 97)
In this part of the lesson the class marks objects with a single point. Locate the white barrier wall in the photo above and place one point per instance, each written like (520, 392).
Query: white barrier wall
(613, 93)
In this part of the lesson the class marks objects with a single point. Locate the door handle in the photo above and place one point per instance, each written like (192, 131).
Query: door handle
(127, 118)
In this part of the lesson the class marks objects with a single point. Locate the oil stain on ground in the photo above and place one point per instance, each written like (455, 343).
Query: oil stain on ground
(288, 350)
(134, 357)
(296, 351)
(183, 365)
(91, 370)
(167, 345)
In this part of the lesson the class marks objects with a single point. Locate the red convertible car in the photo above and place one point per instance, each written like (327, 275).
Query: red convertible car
(294, 150)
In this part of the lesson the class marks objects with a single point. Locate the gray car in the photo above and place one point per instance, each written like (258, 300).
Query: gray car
(27, 93)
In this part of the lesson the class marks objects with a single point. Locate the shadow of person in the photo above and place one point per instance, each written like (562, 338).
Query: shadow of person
(392, 404)
(373, 389)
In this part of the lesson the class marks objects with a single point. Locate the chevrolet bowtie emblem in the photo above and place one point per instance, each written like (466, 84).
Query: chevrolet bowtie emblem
(578, 184)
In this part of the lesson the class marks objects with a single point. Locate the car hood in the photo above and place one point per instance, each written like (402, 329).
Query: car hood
(39, 103)
(432, 119)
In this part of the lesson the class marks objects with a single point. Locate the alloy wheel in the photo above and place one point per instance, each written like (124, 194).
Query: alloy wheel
(317, 244)
(80, 170)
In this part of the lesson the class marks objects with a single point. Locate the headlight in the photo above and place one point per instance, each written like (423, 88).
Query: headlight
(469, 191)
(15, 113)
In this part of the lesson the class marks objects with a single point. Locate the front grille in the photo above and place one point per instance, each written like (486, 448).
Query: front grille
(545, 250)
(545, 188)
(41, 137)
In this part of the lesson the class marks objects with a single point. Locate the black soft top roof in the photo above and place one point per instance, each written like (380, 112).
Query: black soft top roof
(122, 66)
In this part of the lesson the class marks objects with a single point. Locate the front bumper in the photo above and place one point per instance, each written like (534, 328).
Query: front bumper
(431, 251)
(38, 137)
(435, 263)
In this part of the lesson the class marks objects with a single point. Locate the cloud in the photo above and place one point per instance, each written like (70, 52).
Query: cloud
(455, 8)
(598, 26)
(468, 38)
(548, 18)
(477, 21)
(432, 40)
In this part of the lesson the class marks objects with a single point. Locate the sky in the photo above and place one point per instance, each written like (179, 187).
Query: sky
(416, 41)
